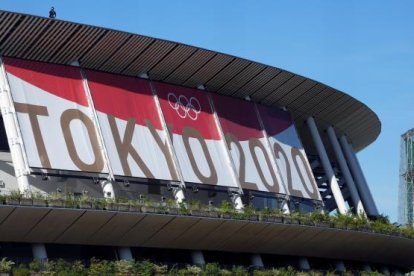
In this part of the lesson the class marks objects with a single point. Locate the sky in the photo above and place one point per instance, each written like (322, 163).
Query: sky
(364, 48)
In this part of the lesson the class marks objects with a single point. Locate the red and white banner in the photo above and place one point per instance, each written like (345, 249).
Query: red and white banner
(248, 146)
(290, 155)
(132, 131)
(197, 143)
(54, 116)
(59, 131)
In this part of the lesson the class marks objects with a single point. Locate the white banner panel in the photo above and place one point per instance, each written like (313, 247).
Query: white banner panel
(290, 155)
(132, 131)
(54, 116)
(196, 140)
(248, 146)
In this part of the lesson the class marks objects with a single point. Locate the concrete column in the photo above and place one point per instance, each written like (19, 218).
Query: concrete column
(326, 164)
(340, 266)
(198, 258)
(39, 251)
(358, 175)
(13, 132)
(345, 171)
(304, 264)
(124, 253)
(257, 261)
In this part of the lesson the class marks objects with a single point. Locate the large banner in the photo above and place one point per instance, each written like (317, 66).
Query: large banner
(132, 130)
(201, 152)
(290, 155)
(54, 116)
(248, 146)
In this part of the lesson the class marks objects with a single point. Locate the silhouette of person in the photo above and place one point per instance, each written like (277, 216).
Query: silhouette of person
(52, 13)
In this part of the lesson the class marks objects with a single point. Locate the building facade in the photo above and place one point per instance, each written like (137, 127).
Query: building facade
(99, 113)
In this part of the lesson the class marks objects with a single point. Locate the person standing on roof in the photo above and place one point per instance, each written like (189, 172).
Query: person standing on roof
(52, 13)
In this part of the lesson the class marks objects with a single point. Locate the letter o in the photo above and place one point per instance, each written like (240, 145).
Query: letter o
(74, 114)
(191, 132)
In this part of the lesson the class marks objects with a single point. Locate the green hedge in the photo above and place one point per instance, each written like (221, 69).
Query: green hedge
(98, 267)
(225, 210)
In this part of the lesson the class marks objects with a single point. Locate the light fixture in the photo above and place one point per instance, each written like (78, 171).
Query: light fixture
(144, 75)
(126, 183)
(248, 98)
(201, 87)
(95, 180)
(195, 189)
(169, 187)
(45, 177)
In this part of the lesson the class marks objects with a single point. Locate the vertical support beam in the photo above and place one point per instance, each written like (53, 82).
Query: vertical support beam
(345, 171)
(39, 251)
(17, 150)
(333, 183)
(271, 153)
(124, 253)
(237, 202)
(304, 264)
(340, 266)
(177, 191)
(197, 258)
(256, 261)
(361, 183)
(107, 185)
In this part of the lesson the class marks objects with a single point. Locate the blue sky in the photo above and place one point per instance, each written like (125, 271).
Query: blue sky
(364, 48)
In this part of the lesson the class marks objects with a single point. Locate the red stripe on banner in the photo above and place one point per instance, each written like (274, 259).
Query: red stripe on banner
(274, 119)
(237, 117)
(123, 97)
(185, 107)
(59, 80)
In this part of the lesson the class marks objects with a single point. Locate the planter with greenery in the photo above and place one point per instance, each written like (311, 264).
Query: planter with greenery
(13, 198)
(85, 201)
(197, 209)
(320, 218)
(225, 209)
(56, 200)
(292, 218)
(149, 205)
(39, 199)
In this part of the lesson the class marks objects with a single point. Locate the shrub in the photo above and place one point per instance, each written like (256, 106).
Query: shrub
(35, 265)
(144, 268)
(100, 267)
(21, 271)
(239, 271)
(211, 269)
(79, 268)
(160, 269)
(6, 265)
(193, 270)
(124, 267)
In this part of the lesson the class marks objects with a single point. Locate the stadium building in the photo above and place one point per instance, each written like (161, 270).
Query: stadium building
(98, 113)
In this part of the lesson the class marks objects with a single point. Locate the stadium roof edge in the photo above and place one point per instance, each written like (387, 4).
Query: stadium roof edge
(62, 42)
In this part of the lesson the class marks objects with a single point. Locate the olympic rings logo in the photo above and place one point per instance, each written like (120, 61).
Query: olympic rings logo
(185, 107)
